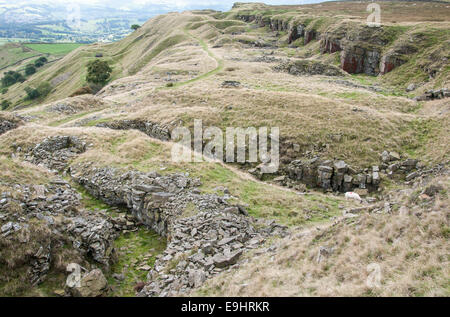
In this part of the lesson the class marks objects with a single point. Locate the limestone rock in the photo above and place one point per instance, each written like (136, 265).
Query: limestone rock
(93, 284)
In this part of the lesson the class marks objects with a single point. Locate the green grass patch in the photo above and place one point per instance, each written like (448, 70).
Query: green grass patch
(135, 250)
(54, 49)
(162, 46)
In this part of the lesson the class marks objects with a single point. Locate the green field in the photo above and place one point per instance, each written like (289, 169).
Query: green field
(54, 49)
(13, 52)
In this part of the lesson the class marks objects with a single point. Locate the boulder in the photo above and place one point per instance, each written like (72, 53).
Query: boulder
(224, 260)
(93, 284)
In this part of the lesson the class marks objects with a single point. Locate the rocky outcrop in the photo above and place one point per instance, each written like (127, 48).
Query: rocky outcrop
(330, 44)
(9, 122)
(220, 232)
(434, 94)
(296, 32)
(154, 200)
(278, 24)
(55, 152)
(355, 60)
(390, 61)
(333, 175)
(152, 129)
(308, 67)
(338, 176)
(48, 220)
(310, 35)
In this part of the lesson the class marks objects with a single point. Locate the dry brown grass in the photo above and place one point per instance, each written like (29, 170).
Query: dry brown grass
(392, 11)
(15, 171)
(412, 252)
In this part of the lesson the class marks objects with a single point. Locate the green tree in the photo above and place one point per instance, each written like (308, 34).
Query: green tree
(135, 27)
(32, 93)
(30, 70)
(5, 104)
(44, 89)
(98, 72)
(40, 61)
(12, 77)
(41, 91)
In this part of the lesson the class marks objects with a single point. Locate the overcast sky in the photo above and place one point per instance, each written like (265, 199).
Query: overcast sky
(176, 4)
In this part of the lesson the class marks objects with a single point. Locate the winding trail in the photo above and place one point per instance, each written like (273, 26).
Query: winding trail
(205, 47)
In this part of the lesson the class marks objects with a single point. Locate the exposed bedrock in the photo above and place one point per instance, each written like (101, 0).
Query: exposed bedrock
(203, 242)
(45, 224)
(338, 176)
(355, 60)
(9, 122)
(363, 48)
(152, 129)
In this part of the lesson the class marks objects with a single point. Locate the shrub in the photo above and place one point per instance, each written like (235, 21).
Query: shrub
(44, 88)
(4, 91)
(135, 27)
(5, 104)
(30, 70)
(41, 91)
(12, 77)
(32, 93)
(40, 61)
(98, 72)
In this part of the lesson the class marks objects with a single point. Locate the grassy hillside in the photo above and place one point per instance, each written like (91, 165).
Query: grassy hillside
(241, 69)
(54, 49)
(13, 53)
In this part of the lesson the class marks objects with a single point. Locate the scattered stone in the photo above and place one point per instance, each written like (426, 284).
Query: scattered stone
(231, 84)
(433, 190)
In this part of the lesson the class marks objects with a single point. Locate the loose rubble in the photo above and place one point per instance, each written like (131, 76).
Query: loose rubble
(202, 246)
(56, 207)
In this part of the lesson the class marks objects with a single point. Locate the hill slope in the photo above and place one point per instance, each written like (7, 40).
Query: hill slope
(354, 114)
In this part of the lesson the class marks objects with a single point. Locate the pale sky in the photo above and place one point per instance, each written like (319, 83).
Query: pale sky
(176, 4)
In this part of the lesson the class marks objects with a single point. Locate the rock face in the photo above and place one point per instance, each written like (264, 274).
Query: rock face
(308, 67)
(340, 177)
(310, 35)
(152, 129)
(330, 44)
(389, 62)
(154, 200)
(296, 32)
(219, 231)
(329, 175)
(355, 60)
(361, 46)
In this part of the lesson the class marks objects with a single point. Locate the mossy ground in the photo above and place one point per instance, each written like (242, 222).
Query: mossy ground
(134, 250)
